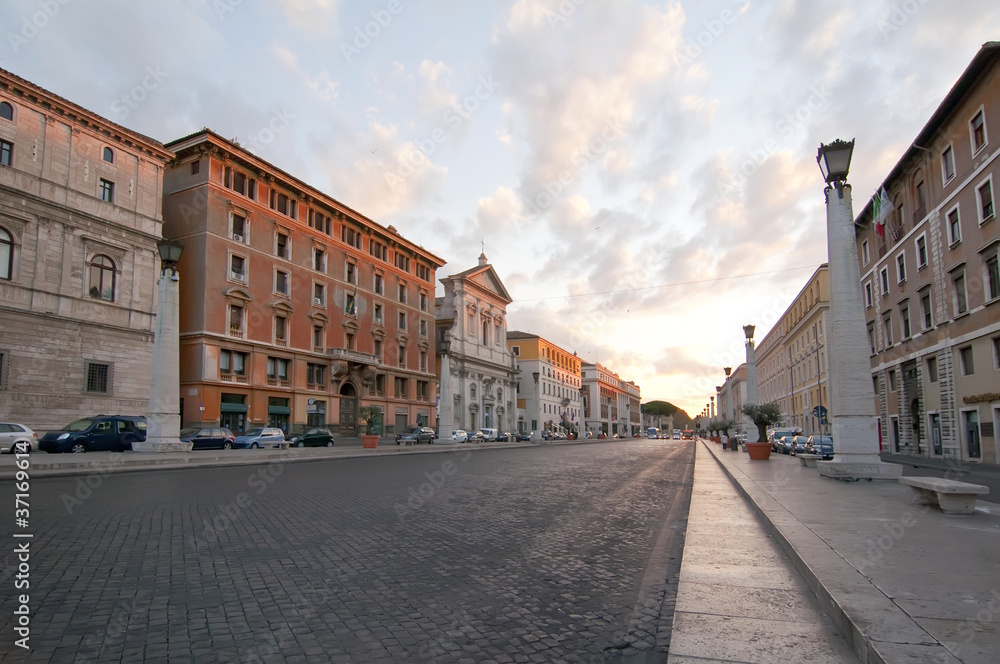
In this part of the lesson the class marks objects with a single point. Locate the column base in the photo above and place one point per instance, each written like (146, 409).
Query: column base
(863, 468)
(161, 445)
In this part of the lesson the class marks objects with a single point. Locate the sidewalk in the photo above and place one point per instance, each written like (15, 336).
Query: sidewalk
(902, 582)
(738, 597)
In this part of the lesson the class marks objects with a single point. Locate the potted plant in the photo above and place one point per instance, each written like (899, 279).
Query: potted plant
(762, 415)
(370, 417)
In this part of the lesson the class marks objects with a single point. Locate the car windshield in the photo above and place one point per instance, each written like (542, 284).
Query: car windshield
(253, 432)
(80, 425)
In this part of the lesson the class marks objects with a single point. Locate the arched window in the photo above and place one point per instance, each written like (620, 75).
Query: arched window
(6, 111)
(6, 255)
(108, 155)
(486, 332)
(102, 278)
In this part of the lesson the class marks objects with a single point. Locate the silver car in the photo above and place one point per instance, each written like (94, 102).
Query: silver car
(11, 434)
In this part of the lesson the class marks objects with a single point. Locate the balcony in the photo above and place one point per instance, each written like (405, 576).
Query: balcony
(235, 332)
(352, 356)
(281, 342)
(234, 378)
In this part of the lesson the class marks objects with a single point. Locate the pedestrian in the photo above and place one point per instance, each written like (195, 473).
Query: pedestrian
(725, 440)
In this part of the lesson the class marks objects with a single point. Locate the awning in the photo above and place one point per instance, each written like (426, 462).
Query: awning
(279, 410)
(233, 407)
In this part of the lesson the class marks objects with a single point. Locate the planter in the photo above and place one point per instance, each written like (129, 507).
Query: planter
(715, 439)
(369, 441)
(759, 451)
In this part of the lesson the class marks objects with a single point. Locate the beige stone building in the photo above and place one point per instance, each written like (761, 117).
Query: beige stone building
(548, 384)
(80, 215)
(931, 283)
(792, 358)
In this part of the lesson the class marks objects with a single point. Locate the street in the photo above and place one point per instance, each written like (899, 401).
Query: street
(547, 554)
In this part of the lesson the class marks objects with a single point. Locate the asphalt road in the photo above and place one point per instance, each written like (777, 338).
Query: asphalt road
(552, 554)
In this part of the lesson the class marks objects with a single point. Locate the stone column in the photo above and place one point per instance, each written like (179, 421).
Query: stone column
(163, 423)
(855, 441)
(446, 408)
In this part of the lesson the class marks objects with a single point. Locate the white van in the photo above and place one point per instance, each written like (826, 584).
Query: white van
(489, 434)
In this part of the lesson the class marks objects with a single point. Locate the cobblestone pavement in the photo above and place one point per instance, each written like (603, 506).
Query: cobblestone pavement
(551, 554)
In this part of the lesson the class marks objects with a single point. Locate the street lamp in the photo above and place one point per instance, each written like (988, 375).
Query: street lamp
(751, 429)
(163, 420)
(536, 433)
(835, 161)
(852, 407)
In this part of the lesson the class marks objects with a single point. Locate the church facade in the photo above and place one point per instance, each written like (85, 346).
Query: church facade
(478, 375)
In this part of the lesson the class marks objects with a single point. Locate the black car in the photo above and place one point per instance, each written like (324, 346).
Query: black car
(99, 433)
(313, 438)
(205, 438)
(417, 435)
(822, 445)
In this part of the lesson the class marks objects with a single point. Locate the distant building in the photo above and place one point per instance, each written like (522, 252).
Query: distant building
(792, 358)
(295, 309)
(611, 405)
(478, 377)
(931, 282)
(548, 380)
(80, 216)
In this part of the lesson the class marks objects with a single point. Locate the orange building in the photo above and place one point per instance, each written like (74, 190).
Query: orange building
(295, 309)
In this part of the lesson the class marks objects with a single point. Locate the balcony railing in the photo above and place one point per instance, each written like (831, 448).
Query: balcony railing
(281, 342)
(235, 332)
(233, 378)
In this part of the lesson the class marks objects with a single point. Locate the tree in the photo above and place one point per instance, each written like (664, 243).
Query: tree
(370, 417)
(658, 408)
(763, 415)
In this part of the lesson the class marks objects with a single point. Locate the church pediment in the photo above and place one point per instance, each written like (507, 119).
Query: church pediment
(490, 282)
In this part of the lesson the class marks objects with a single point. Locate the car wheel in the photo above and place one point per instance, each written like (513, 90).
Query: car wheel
(78, 448)
(227, 445)
(300, 444)
(254, 446)
(329, 443)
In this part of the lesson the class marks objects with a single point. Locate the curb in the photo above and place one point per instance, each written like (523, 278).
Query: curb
(908, 641)
(128, 464)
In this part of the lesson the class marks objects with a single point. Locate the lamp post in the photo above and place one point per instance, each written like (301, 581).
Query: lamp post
(752, 434)
(729, 395)
(852, 409)
(536, 434)
(583, 413)
(163, 419)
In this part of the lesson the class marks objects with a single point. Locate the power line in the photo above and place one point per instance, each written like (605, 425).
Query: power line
(678, 283)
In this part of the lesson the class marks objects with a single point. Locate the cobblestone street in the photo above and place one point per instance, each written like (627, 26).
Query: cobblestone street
(550, 554)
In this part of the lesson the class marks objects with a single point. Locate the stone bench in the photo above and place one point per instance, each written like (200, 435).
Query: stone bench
(284, 445)
(951, 496)
(809, 460)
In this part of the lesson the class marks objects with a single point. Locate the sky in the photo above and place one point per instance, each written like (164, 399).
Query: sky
(641, 175)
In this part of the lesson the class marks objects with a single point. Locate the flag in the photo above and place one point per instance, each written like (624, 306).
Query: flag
(881, 208)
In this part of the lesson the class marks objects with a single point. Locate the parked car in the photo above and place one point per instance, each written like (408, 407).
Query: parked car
(798, 444)
(477, 437)
(460, 436)
(204, 438)
(524, 435)
(313, 438)
(490, 435)
(822, 445)
(677, 435)
(114, 433)
(11, 434)
(416, 435)
(778, 442)
(558, 435)
(254, 438)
